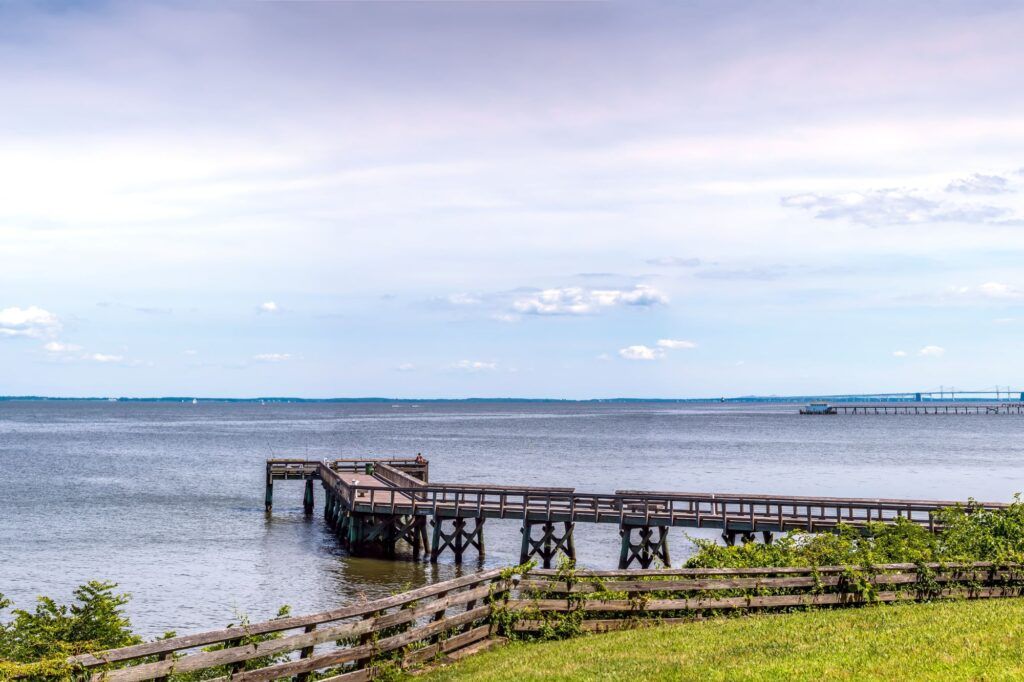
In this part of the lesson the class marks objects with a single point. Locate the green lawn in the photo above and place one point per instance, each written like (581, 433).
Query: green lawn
(977, 640)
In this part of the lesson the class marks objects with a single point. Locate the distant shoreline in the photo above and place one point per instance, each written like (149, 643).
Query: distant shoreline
(179, 399)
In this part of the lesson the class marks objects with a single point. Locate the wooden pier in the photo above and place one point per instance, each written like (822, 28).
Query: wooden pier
(374, 504)
(921, 408)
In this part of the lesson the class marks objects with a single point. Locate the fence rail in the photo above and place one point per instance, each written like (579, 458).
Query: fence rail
(439, 618)
(459, 616)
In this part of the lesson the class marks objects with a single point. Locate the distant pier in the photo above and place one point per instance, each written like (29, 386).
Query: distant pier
(818, 408)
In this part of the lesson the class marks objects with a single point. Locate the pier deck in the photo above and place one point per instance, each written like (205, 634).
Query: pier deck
(384, 501)
(921, 408)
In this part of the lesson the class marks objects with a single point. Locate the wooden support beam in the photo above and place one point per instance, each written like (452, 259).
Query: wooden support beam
(269, 497)
(458, 539)
(549, 544)
(651, 546)
(307, 499)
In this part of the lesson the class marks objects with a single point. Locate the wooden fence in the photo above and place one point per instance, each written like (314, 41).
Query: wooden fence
(349, 643)
(607, 600)
(458, 617)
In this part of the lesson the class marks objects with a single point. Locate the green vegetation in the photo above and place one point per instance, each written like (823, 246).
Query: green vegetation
(981, 640)
(965, 534)
(37, 643)
(977, 640)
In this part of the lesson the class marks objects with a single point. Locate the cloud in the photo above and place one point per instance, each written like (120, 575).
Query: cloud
(999, 290)
(995, 291)
(641, 352)
(980, 184)
(104, 358)
(58, 347)
(676, 344)
(405, 367)
(892, 207)
(32, 321)
(899, 353)
(474, 366)
(656, 352)
(932, 352)
(580, 301)
(191, 351)
(763, 274)
(272, 357)
(268, 307)
(463, 299)
(675, 262)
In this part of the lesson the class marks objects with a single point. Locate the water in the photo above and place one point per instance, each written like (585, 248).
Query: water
(167, 499)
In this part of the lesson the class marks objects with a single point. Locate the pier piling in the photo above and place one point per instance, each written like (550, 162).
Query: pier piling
(307, 499)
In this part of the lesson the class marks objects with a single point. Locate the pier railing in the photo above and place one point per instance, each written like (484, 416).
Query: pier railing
(742, 512)
(453, 619)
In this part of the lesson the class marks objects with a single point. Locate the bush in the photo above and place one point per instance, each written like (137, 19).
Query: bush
(966, 533)
(35, 644)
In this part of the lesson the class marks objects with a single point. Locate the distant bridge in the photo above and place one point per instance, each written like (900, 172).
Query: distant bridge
(942, 395)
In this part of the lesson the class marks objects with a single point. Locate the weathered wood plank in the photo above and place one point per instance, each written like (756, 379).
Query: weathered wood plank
(210, 659)
(277, 625)
(716, 585)
(747, 602)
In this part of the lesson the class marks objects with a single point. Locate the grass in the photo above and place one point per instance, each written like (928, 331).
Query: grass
(976, 640)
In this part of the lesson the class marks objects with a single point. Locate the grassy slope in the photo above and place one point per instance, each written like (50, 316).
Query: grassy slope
(978, 640)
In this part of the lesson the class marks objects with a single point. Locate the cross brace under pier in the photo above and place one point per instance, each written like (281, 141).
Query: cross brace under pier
(651, 545)
(549, 544)
(465, 532)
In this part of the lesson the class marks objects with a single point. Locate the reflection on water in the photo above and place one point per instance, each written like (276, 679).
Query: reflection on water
(167, 499)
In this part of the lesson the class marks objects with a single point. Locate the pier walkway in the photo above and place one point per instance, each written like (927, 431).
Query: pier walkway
(927, 408)
(373, 504)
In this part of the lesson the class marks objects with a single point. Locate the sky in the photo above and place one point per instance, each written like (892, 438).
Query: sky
(525, 199)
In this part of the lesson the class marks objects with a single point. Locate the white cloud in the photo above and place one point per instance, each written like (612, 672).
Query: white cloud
(272, 357)
(675, 262)
(191, 351)
(899, 353)
(641, 352)
(506, 317)
(58, 347)
(892, 207)
(405, 367)
(980, 184)
(676, 344)
(269, 307)
(474, 366)
(104, 358)
(1005, 320)
(463, 299)
(580, 301)
(999, 290)
(932, 352)
(32, 321)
